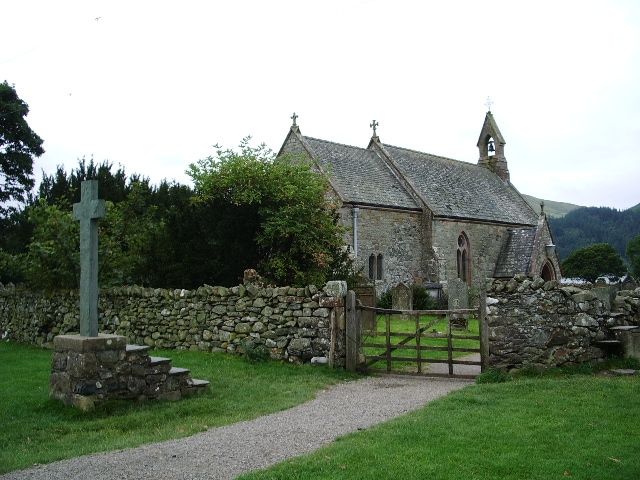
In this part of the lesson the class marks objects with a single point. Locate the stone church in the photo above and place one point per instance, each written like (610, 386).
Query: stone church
(413, 217)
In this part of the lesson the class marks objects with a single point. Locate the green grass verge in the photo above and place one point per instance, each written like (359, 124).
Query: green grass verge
(35, 429)
(579, 427)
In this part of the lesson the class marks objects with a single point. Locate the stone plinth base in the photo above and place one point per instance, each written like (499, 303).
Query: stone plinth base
(87, 370)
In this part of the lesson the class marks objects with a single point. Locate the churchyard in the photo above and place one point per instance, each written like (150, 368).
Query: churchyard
(37, 430)
(571, 423)
(565, 423)
(573, 426)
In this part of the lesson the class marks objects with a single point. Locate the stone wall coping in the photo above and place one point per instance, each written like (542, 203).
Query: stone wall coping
(80, 344)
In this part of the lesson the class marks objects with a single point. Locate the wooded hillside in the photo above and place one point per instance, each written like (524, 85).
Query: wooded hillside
(590, 225)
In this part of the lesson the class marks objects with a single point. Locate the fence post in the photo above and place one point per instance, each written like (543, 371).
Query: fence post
(484, 332)
(353, 333)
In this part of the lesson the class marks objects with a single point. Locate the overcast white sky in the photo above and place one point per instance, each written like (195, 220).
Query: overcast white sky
(153, 85)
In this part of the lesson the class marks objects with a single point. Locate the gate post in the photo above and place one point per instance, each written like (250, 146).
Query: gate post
(353, 333)
(484, 332)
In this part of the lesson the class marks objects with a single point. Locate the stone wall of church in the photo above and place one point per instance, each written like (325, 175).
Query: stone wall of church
(485, 244)
(398, 235)
(540, 256)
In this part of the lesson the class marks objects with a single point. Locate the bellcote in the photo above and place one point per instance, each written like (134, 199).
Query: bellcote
(491, 146)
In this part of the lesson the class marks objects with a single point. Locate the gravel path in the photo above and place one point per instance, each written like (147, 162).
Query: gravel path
(226, 452)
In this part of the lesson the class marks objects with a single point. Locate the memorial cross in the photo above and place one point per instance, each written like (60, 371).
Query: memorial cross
(88, 210)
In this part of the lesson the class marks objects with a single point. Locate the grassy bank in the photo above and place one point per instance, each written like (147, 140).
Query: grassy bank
(35, 429)
(581, 427)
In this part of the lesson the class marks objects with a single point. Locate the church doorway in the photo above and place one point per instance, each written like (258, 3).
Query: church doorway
(548, 272)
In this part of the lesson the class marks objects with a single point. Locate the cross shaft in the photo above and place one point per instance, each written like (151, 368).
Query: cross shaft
(88, 211)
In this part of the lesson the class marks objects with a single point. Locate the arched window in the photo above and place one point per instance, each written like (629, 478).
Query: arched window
(548, 272)
(372, 266)
(375, 266)
(464, 259)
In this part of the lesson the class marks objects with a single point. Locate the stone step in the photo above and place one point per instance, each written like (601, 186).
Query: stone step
(137, 348)
(179, 371)
(624, 371)
(196, 382)
(159, 360)
(194, 386)
(609, 342)
(625, 328)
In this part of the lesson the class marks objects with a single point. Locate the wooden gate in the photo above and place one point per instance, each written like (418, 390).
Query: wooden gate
(417, 342)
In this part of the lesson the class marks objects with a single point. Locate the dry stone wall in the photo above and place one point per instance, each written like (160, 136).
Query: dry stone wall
(292, 323)
(544, 324)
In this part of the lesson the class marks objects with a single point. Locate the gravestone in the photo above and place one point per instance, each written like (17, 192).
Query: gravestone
(402, 297)
(605, 293)
(366, 295)
(458, 292)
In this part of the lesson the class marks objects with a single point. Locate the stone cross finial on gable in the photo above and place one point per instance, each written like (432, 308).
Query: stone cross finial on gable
(294, 117)
(88, 211)
(541, 207)
(373, 125)
(488, 103)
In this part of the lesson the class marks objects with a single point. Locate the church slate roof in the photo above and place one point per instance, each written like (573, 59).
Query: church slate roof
(456, 189)
(361, 175)
(515, 256)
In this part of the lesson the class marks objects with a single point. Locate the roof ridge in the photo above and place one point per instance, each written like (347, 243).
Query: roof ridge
(335, 143)
(432, 155)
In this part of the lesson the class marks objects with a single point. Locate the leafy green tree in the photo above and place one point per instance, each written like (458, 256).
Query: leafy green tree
(18, 145)
(53, 259)
(593, 261)
(633, 253)
(271, 215)
(64, 189)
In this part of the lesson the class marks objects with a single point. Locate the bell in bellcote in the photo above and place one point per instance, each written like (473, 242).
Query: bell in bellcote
(492, 149)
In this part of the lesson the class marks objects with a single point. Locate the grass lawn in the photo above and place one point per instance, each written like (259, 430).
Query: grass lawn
(35, 429)
(580, 427)
(436, 326)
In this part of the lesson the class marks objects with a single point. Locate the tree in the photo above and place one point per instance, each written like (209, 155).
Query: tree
(589, 225)
(592, 262)
(63, 189)
(633, 253)
(269, 214)
(18, 145)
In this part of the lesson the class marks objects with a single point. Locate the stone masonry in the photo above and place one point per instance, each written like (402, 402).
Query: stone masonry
(294, 324)
(88, 370)
(544, 324)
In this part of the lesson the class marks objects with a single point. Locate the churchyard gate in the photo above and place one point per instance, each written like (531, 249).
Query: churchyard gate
(436, 343)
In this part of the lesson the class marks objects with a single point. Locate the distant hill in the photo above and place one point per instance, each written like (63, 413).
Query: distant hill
(552, 209)
(636, 208)
(588, 225)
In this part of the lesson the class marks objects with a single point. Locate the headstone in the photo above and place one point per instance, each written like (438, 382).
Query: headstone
(402, 297)
(605, 294)
(458, 293)
(366, 295)
(88, 211)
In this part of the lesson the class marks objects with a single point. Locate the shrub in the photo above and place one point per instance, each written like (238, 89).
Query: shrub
(385, 300)
(255, 353)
